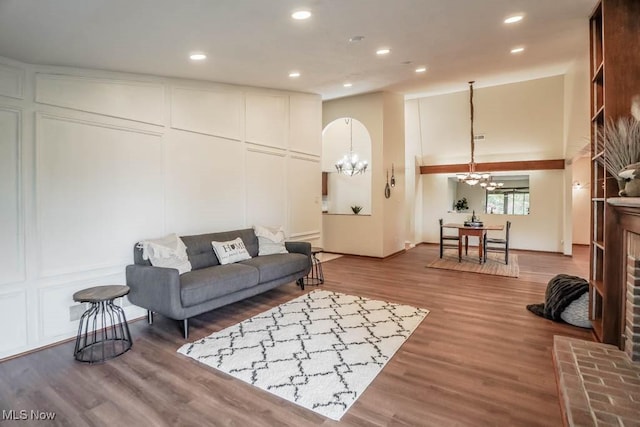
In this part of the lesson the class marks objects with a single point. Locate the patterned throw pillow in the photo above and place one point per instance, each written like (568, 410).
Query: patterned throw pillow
(270, 240)
(231, 251)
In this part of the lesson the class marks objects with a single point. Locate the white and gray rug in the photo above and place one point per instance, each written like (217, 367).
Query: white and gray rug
(320, 350)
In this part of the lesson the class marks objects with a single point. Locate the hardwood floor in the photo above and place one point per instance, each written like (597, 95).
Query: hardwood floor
(479, 358)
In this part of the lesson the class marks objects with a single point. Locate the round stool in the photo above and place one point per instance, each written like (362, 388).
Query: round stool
(315, 276)
(103, 332)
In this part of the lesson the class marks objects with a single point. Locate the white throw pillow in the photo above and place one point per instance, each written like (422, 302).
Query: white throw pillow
(169, 252)
(270, 240)
(231, 251)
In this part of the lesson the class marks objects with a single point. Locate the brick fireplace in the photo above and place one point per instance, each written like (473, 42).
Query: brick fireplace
(599, 384)
(632, 302)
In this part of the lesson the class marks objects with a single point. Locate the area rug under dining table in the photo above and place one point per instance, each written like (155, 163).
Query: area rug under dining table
(495, 264)
(320, 350)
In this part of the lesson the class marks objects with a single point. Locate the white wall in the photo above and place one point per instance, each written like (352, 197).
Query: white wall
(383, 232)
(413, 183)
(345, 191)
(521, 121)
(92, 161)
(542, 230)
(581, 201)
(577, 134)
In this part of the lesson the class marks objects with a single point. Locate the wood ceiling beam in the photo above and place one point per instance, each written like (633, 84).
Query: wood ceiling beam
(522, 165)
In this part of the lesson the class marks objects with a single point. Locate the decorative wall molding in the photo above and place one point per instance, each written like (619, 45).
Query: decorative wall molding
(13, 321)
(304, 133)
(11, 199)
(264, 149)
(44, 116)
(84, 224)
(216, 113)
(522, 165)
(266, 119)
(306, 235)
(11, 81)
(55, 300)
(134, 100)
(305, 157)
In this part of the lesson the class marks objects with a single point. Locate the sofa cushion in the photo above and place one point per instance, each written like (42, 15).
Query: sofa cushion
(277, 266)
(205, 284)
(200, 251)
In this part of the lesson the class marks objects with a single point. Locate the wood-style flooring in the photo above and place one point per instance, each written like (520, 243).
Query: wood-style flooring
(479, 358)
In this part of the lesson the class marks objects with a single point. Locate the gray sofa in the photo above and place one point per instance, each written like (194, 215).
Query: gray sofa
(210, 285)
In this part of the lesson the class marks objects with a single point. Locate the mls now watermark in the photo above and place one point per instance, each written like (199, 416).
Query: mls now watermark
(23, 415)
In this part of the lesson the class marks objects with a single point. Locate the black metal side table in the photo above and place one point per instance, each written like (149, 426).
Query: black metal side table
(315, 276)
(103, 332)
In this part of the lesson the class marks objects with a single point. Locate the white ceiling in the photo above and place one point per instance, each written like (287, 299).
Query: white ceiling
(255, 42)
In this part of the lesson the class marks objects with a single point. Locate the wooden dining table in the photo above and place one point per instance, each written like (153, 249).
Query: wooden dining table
(472, 231)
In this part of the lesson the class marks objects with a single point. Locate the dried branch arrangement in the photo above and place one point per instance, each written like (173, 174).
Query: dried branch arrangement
(620, 141)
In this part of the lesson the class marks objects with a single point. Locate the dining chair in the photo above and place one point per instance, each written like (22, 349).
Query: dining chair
(498, 244)
(447, 237)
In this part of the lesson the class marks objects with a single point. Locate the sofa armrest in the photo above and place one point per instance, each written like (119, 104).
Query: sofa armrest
(156, 289)
(301, 248)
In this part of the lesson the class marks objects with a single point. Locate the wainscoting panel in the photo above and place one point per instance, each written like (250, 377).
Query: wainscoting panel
(305, 188)
(60, 314)
(11, 81)
(128, 99)
(266, 189)
(305, 129)
(98, 190)
(204, 180)
(267, 120)
(11, 230)
(13, 321)
(212, 113)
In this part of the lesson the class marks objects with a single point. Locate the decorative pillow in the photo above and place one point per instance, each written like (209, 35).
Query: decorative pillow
(231, 251)
(270, 240)
(169, 252)
(577, 313)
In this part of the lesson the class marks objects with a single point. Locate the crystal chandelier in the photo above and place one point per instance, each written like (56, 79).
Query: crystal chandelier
(472, 177)
(350, 164)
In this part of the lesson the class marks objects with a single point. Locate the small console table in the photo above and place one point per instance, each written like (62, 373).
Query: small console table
(103, 332)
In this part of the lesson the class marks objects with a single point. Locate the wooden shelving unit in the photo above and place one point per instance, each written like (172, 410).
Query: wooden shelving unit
(615, 79)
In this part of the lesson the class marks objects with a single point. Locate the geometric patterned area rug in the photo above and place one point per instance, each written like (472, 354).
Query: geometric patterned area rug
(495, 263)
(320, 350)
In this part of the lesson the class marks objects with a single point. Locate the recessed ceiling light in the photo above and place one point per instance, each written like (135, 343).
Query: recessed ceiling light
(294, 74)
(383, 51)
(301, 15)
(356, 39)
(197, 56)
(347, 84)
(421, 69)
(513, 19)
(517, 50)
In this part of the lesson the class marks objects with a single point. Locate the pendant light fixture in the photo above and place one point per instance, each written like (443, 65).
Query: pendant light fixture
(472, 177)
(350, 164)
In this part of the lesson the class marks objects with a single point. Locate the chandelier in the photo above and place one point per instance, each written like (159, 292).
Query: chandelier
(472, 177)
(350, 164)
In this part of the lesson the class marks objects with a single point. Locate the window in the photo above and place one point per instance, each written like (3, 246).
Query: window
(510, 201)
